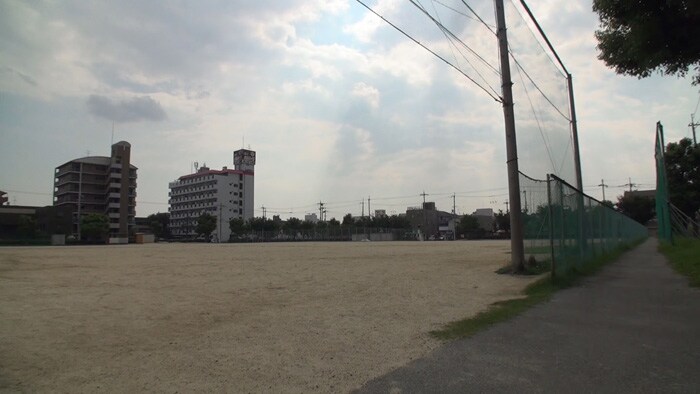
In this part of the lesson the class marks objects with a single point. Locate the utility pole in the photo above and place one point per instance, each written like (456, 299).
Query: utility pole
(603, 186)
(363, 207)
(525, 199)
(516, 231)
(320, 211)
(629, 183)
(692, 126)
(369, 207)
(423, 194)
(454, 204)
(264, 212)
(507, 211)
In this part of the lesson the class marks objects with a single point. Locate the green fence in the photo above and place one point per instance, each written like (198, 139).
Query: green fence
(569, 228)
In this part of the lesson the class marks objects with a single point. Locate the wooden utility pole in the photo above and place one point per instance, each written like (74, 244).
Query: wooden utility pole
(692, 126)
(603, 186)
(516, 230)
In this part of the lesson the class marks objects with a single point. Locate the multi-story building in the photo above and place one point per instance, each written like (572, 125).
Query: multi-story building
(225, 194)
(101, 185)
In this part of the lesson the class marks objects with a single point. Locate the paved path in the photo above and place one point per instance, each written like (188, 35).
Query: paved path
(633, 327)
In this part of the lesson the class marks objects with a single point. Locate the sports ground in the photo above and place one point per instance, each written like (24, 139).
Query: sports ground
(276, 317)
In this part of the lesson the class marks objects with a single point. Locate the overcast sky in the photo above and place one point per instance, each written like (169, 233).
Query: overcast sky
(337, 104)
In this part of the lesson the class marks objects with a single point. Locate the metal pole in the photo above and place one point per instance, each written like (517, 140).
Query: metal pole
(574, 133)
(516, 231)
(80, 197)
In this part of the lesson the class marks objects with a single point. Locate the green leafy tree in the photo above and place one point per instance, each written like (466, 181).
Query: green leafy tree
(348, 220)
(206, 224)
(238, 226)
(334, 222)
(94, 227)
(159, 224)
(683, 173)
(640, 37)
(502, 221)
(469, 227)
(293, 224)
(638, 208)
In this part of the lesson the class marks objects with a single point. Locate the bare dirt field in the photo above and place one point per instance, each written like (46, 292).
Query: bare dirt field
(287, 317)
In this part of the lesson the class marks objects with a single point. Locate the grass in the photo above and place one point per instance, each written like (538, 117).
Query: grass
(537, 292)
(684, 256)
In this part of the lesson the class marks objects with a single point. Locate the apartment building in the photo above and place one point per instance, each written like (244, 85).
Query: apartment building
(225, 194)
(101, 185)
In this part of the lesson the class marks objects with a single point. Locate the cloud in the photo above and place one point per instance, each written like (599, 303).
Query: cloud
(135, 109)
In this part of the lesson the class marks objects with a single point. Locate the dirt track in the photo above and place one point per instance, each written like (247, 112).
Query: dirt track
(288, 317)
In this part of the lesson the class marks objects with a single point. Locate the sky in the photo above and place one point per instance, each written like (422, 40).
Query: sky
(338, 105)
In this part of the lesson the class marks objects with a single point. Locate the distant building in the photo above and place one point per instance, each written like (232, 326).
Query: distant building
(431, 222)
(99, 185)
(225, 194)
(3, 198)
(311, 218)
(48, 220)
(486, 218)
(380, 213)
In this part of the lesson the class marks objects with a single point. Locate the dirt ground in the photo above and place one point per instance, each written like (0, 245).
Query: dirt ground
(286, 317)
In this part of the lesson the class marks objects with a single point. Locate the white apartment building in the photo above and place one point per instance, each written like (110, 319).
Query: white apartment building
(225, 194)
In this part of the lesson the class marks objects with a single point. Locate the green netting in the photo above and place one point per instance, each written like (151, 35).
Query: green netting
(663, 216)
(584, 229)
(569, 228)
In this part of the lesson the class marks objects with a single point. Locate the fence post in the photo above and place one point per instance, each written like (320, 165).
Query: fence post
(551, 226)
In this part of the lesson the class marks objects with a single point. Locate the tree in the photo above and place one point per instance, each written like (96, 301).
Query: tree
(237, 226)
(94, 227)
(502, 220)
(159, 224)
(638, 208)
(206, 224)
(469, 226)
(293, 224)
(334, 222)
(348, 221)
(683, 174)
(640, 37)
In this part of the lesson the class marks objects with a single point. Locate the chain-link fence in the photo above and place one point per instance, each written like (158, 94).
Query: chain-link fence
(569, 228)
(583, 229)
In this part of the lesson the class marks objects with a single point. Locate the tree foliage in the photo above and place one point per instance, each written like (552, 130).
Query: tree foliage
(94, 226)
(640, 37)
(206, 224)
(638, 208)
(503, 221)
(237, 226)
(159, 223)
(470, 228)
(683, 175)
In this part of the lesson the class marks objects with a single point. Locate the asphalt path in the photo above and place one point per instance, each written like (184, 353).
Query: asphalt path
(633, 327)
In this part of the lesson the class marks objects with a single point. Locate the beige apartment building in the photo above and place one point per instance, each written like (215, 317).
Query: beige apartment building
(102, 185)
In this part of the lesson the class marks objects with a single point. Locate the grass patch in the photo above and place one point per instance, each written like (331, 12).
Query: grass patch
(684, 256)
(537, 292)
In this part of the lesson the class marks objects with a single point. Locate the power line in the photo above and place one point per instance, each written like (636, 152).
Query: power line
(450, 36)
(498, 99)
(478, 17)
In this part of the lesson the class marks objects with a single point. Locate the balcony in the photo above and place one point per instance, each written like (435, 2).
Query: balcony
(114, 205)
(114, 195)
(113, 215)
(113, 185)
(115, 175)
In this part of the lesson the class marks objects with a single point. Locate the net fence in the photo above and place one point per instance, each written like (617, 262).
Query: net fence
(569, 228)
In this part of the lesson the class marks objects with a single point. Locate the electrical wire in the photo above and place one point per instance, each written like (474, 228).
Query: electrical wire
(496, 98)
